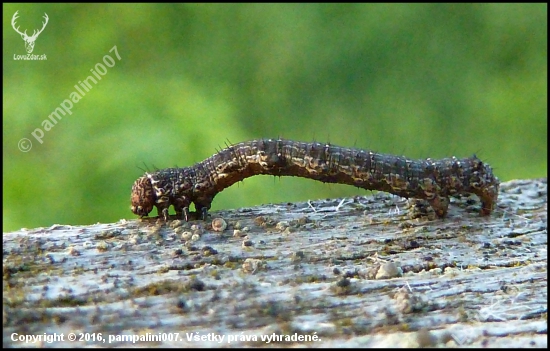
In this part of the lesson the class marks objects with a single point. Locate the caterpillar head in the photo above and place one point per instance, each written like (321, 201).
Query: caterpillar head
(143, 196)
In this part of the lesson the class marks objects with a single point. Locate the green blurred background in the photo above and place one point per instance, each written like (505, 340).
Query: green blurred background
(419, 80)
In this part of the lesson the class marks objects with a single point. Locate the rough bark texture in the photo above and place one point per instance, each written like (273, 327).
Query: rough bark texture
(343, 272)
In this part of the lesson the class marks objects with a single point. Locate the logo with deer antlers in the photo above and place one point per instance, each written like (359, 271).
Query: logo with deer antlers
(29, 40)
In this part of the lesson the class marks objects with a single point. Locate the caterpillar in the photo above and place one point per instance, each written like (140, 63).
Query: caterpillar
(430, 180)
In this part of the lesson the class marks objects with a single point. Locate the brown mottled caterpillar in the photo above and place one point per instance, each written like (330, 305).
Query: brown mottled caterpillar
(430, 180)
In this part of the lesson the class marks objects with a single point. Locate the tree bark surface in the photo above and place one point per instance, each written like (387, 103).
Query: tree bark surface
(352, 272)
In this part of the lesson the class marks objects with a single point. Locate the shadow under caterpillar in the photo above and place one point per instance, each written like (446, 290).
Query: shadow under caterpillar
(430, 180)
